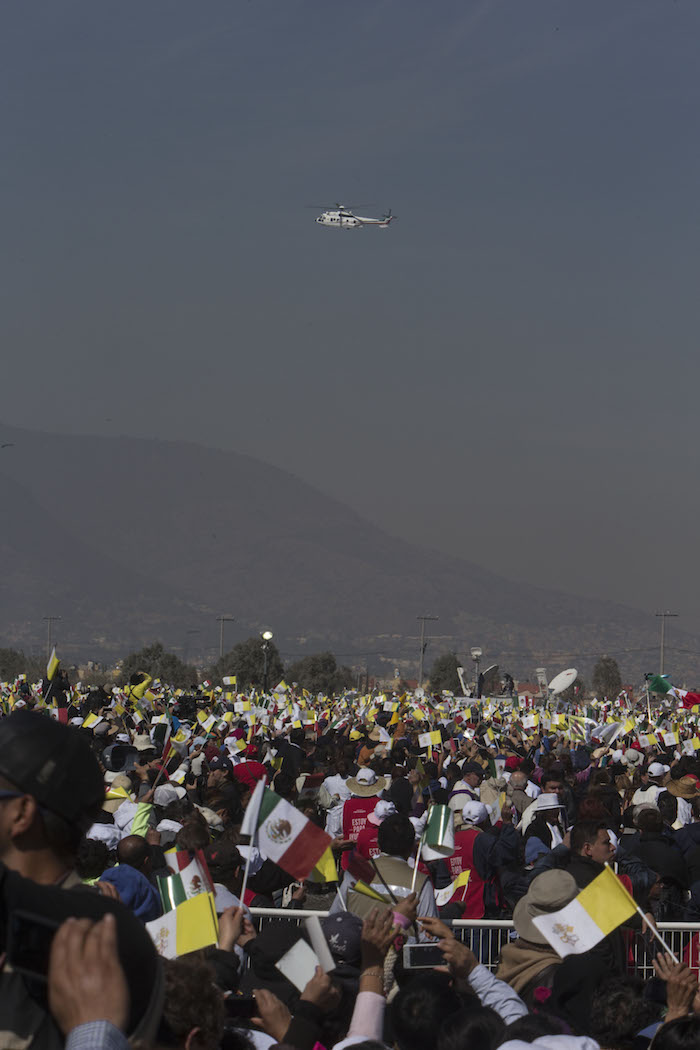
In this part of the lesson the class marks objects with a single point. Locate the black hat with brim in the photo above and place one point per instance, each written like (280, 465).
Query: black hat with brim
(53, 763)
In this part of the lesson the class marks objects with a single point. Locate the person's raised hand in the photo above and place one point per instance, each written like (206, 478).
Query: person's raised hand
(681, 985)
(153, 837)
(408, 907)
(436, 927)
(230, 927)
(460, 959)
(377, 935)
(273, 1016)
(299, 893)
(322, 991)
(85, 980)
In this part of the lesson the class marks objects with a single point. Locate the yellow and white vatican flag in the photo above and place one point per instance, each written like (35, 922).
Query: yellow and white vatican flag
(597, 910)
(443, 897)
(187, 928)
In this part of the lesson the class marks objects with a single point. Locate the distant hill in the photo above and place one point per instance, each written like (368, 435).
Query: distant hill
(132, 540)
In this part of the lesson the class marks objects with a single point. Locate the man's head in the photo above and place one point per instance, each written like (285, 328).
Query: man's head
(518, 781)
(552, 784)
(220, 770)
(51, 790)
(420, 1008)
(396, 836)
(133, 850)
(649, 820)
(590, 838)
(472, 774)
(475, 814)
(193, 1014)
(657, 772)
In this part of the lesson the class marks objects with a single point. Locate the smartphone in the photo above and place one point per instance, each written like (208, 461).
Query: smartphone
(241, 1006)
(29, 943)
(422, 956)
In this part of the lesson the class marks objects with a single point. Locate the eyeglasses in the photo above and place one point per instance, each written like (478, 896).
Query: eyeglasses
(11, 794)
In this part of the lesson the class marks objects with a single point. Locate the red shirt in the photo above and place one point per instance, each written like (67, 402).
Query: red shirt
(249, 773)
(366, 844)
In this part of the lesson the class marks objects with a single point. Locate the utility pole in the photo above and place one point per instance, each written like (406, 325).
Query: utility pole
(423, 645)
(50, 620)
(222, 620)
(664, 616)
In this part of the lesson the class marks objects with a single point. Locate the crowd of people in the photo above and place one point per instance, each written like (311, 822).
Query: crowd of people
(105, 795)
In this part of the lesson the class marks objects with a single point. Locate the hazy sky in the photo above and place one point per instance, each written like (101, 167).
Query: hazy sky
(508, 373)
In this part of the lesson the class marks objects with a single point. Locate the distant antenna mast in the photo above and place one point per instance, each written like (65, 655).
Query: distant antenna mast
(423, 645)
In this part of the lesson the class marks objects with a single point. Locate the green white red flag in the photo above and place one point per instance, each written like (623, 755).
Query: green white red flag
(282, 833)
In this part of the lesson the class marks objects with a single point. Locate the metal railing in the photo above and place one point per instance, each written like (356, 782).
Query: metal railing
(486, 937)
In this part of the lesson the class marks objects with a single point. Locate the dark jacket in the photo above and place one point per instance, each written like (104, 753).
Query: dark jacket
(660, 853)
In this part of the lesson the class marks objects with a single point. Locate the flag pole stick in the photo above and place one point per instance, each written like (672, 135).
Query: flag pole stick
(654, 930)
(415, 867)
(251, 844)
(340, 898)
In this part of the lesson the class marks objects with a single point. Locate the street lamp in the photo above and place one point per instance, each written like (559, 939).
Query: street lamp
(476, 657)
(267, 638)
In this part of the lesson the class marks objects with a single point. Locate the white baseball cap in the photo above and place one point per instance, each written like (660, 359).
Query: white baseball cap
(474, 812)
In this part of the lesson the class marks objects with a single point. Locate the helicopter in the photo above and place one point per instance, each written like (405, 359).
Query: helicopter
(341, 217)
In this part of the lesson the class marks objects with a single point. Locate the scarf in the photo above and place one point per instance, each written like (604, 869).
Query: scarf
(521, 961)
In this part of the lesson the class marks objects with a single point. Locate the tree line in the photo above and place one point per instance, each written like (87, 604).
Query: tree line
(317, 672)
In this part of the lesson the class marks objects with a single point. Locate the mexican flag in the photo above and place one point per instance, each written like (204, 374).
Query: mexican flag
(658, 683)
(439, 834)
(688, 699)
(282, 833)
(190, 877)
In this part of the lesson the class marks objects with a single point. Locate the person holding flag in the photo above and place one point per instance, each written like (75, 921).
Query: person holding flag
(392, 877)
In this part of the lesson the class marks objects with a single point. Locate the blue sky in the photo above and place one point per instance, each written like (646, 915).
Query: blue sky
(507, 373)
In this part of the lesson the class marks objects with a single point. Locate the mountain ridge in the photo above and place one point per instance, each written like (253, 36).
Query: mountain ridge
(177, 533)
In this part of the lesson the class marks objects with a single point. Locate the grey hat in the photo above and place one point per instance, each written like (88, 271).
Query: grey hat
(549, 892)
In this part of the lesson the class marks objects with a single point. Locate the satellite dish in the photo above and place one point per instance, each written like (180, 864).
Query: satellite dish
(562, 681)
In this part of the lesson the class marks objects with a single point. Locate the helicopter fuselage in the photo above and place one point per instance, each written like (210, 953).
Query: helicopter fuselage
(342, 219)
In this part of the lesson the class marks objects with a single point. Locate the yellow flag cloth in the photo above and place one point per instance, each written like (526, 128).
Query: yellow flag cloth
(325, 870)
(52, 665)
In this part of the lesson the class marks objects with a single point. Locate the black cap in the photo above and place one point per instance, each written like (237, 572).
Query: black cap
(221, 762)
(53, 763)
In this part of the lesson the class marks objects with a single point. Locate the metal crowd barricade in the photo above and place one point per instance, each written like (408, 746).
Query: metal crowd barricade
(486, 937)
